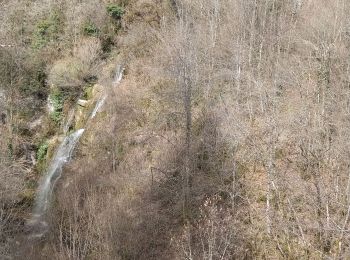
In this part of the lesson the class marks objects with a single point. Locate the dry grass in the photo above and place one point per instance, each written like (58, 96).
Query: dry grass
(76, 70)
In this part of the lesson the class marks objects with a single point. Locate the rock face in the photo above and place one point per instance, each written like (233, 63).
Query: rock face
(96, 89)
(82, 102)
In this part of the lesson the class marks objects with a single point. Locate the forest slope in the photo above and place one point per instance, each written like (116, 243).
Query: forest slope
(226, 139)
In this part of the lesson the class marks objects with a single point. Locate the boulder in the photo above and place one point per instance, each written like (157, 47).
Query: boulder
(82, 102)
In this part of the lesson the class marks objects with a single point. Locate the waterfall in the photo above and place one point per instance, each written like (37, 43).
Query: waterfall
(62, 156)
(117, 78)
(99, 104)
(118, 74)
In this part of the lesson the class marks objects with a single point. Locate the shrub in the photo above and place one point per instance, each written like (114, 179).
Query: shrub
(47, 30)
(115, 11)
(56, 98)
(66, 73)
(80, 69)
(90, 29)
(42, 151)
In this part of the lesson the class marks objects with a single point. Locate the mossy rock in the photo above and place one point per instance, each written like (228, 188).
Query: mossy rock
(52, 145)
(89, 92)
(45, 153)
(80, 117)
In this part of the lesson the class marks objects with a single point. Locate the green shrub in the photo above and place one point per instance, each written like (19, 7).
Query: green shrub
(90, 29)
(56, 98)
(42, 151)
(115, 11)
(47, 30)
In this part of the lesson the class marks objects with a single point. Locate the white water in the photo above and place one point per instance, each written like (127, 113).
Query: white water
(43, 197)
(62, 156)
(117, 78)
(118, 74)
(99, 104)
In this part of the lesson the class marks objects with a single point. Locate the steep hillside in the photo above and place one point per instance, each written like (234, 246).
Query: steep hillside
(225, 138)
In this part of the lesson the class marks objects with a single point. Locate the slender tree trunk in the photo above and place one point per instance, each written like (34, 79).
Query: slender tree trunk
(188, 113)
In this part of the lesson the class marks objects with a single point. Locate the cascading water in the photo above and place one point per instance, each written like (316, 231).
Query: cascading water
(117, 78)
(62, 156)
(99, 104)
(118, 74)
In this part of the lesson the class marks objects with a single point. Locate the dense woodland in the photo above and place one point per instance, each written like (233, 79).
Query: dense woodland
(228, 137)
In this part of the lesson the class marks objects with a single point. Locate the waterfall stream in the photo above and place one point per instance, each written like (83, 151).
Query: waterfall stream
(99, 104)
(62, 156)
(117, 79)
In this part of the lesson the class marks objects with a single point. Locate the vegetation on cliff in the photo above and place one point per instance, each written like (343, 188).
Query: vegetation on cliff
(226, 139)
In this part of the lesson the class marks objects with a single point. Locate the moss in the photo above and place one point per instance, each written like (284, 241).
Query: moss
(41, 156)
(88, 92)
(51, 148)
(262, 198)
